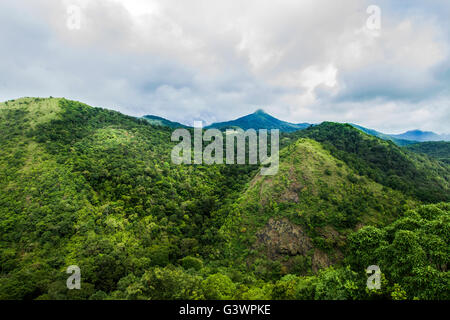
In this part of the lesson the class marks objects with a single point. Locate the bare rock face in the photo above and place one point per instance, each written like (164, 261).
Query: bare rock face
(281, 237)
(320, 260)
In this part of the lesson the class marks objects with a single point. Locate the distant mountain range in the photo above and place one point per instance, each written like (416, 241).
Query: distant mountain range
(421, 136)
(261, 120)
(398, 141)
(257, 120)
(406, 138)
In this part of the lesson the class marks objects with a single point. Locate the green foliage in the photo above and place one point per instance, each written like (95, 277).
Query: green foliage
(218, 287)
(324, 207)
(439, 150)
(95, 188)
(170, 283)
(191, 263)
(413, 252)
(383, 161)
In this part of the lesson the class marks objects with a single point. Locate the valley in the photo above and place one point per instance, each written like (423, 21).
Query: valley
(96, 188)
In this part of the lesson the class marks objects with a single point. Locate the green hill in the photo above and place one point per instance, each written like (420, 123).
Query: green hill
(163, 122)
(304, 213)
(383, 161)
(95, 188)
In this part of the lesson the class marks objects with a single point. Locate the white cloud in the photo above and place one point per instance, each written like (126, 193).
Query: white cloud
(310, 60)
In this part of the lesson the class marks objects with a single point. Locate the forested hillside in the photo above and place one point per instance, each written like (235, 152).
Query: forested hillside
(300, 217)
(439, 150)
(383, 161)
(95, 188)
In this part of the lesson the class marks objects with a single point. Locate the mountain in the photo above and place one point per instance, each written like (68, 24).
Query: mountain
(334, 179)
(421, 136)
(262, 120)
(96, 188)
(400, 142)
(299, 217)
(163, 122)
(409, 137)
(259, 120)
(383, 161)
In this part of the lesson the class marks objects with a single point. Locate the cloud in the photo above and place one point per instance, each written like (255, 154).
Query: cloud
(299, 60)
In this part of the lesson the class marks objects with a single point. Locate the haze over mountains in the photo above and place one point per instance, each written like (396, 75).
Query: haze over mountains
(421, 136)
(262, 120)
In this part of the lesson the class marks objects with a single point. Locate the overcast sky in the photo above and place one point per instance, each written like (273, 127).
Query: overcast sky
(301, 61)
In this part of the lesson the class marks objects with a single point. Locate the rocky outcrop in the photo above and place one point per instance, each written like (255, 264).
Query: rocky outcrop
(280, 238)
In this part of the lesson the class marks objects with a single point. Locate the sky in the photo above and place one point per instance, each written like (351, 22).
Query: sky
(384, 65)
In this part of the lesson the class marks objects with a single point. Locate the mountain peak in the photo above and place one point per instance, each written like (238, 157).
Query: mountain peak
(417, 131)
(421, 136)
(259, 120)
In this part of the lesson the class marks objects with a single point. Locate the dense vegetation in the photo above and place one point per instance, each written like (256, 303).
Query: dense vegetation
(95, 188)
(383, 161)
(439, 150)
(412, 253)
